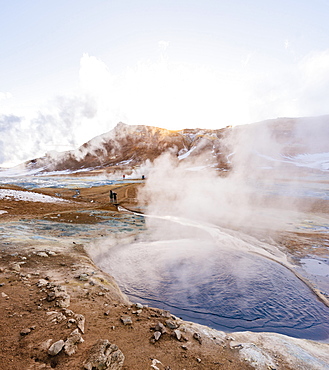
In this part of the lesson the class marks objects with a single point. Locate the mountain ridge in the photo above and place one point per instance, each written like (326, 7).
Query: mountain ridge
(128, 146)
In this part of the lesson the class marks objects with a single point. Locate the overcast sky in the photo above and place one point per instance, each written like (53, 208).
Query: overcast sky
(72, 69)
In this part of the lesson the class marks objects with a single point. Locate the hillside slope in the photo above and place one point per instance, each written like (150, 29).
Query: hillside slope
(278, 140)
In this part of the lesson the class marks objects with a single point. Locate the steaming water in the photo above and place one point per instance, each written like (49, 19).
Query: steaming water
(221, 283)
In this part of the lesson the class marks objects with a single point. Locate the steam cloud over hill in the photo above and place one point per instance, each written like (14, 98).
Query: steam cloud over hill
(283, 142)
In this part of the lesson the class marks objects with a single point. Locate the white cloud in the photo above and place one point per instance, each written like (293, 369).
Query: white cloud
(167, 95)
(163, 45)
(94, 75)
(178, 96)
(297, 88)
(313, 74)
(314, 69)
(5, 95)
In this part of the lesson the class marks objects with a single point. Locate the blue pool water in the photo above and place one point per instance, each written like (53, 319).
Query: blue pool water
(225, 289)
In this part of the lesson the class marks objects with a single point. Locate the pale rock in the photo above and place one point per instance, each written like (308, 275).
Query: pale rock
(155, 364)
(44, 346)
(104, 356)
(80, 322)
(171, 324)
(25, 331)
(15, 267)
(235, 345)
(160, 327)
(56, 347)
(126, 320)
(157, 335)
(70, 345)
(197, 337)
(178, 334)
(42, 254)
(42, 283)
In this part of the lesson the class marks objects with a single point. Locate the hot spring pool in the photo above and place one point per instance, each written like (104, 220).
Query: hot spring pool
(228, 290)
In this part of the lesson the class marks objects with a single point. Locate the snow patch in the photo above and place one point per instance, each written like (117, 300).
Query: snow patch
(185, 155)
(3, 212)
(319, 161)
(29, 196)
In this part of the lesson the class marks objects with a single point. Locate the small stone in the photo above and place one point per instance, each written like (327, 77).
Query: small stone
(157, 335)
(166, 314)
(81, 322)
(56, 347)
(42, 254)
(44, 346)
(235, 345)
(42, 283)
(178, 334)
(197, 337)
(160, 327)
(64, 301)
(15, 267)
(25, 331)
(83, 277)
(154, 364)
(71, 322)
(107, 313)
(184, 347)
(139, 306)
(51, 296)
(4, 295)
(126, 320)
(68, 313)
(171, 324)
(198, 359)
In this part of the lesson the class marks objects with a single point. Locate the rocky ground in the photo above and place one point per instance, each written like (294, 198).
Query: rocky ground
(58, 310)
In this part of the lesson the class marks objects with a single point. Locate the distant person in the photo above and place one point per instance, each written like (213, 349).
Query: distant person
(111, 196)
(123, 176)
(143, 177)
(115, 197)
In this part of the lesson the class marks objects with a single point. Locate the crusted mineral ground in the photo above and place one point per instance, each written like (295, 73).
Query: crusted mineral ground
(58, 310)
